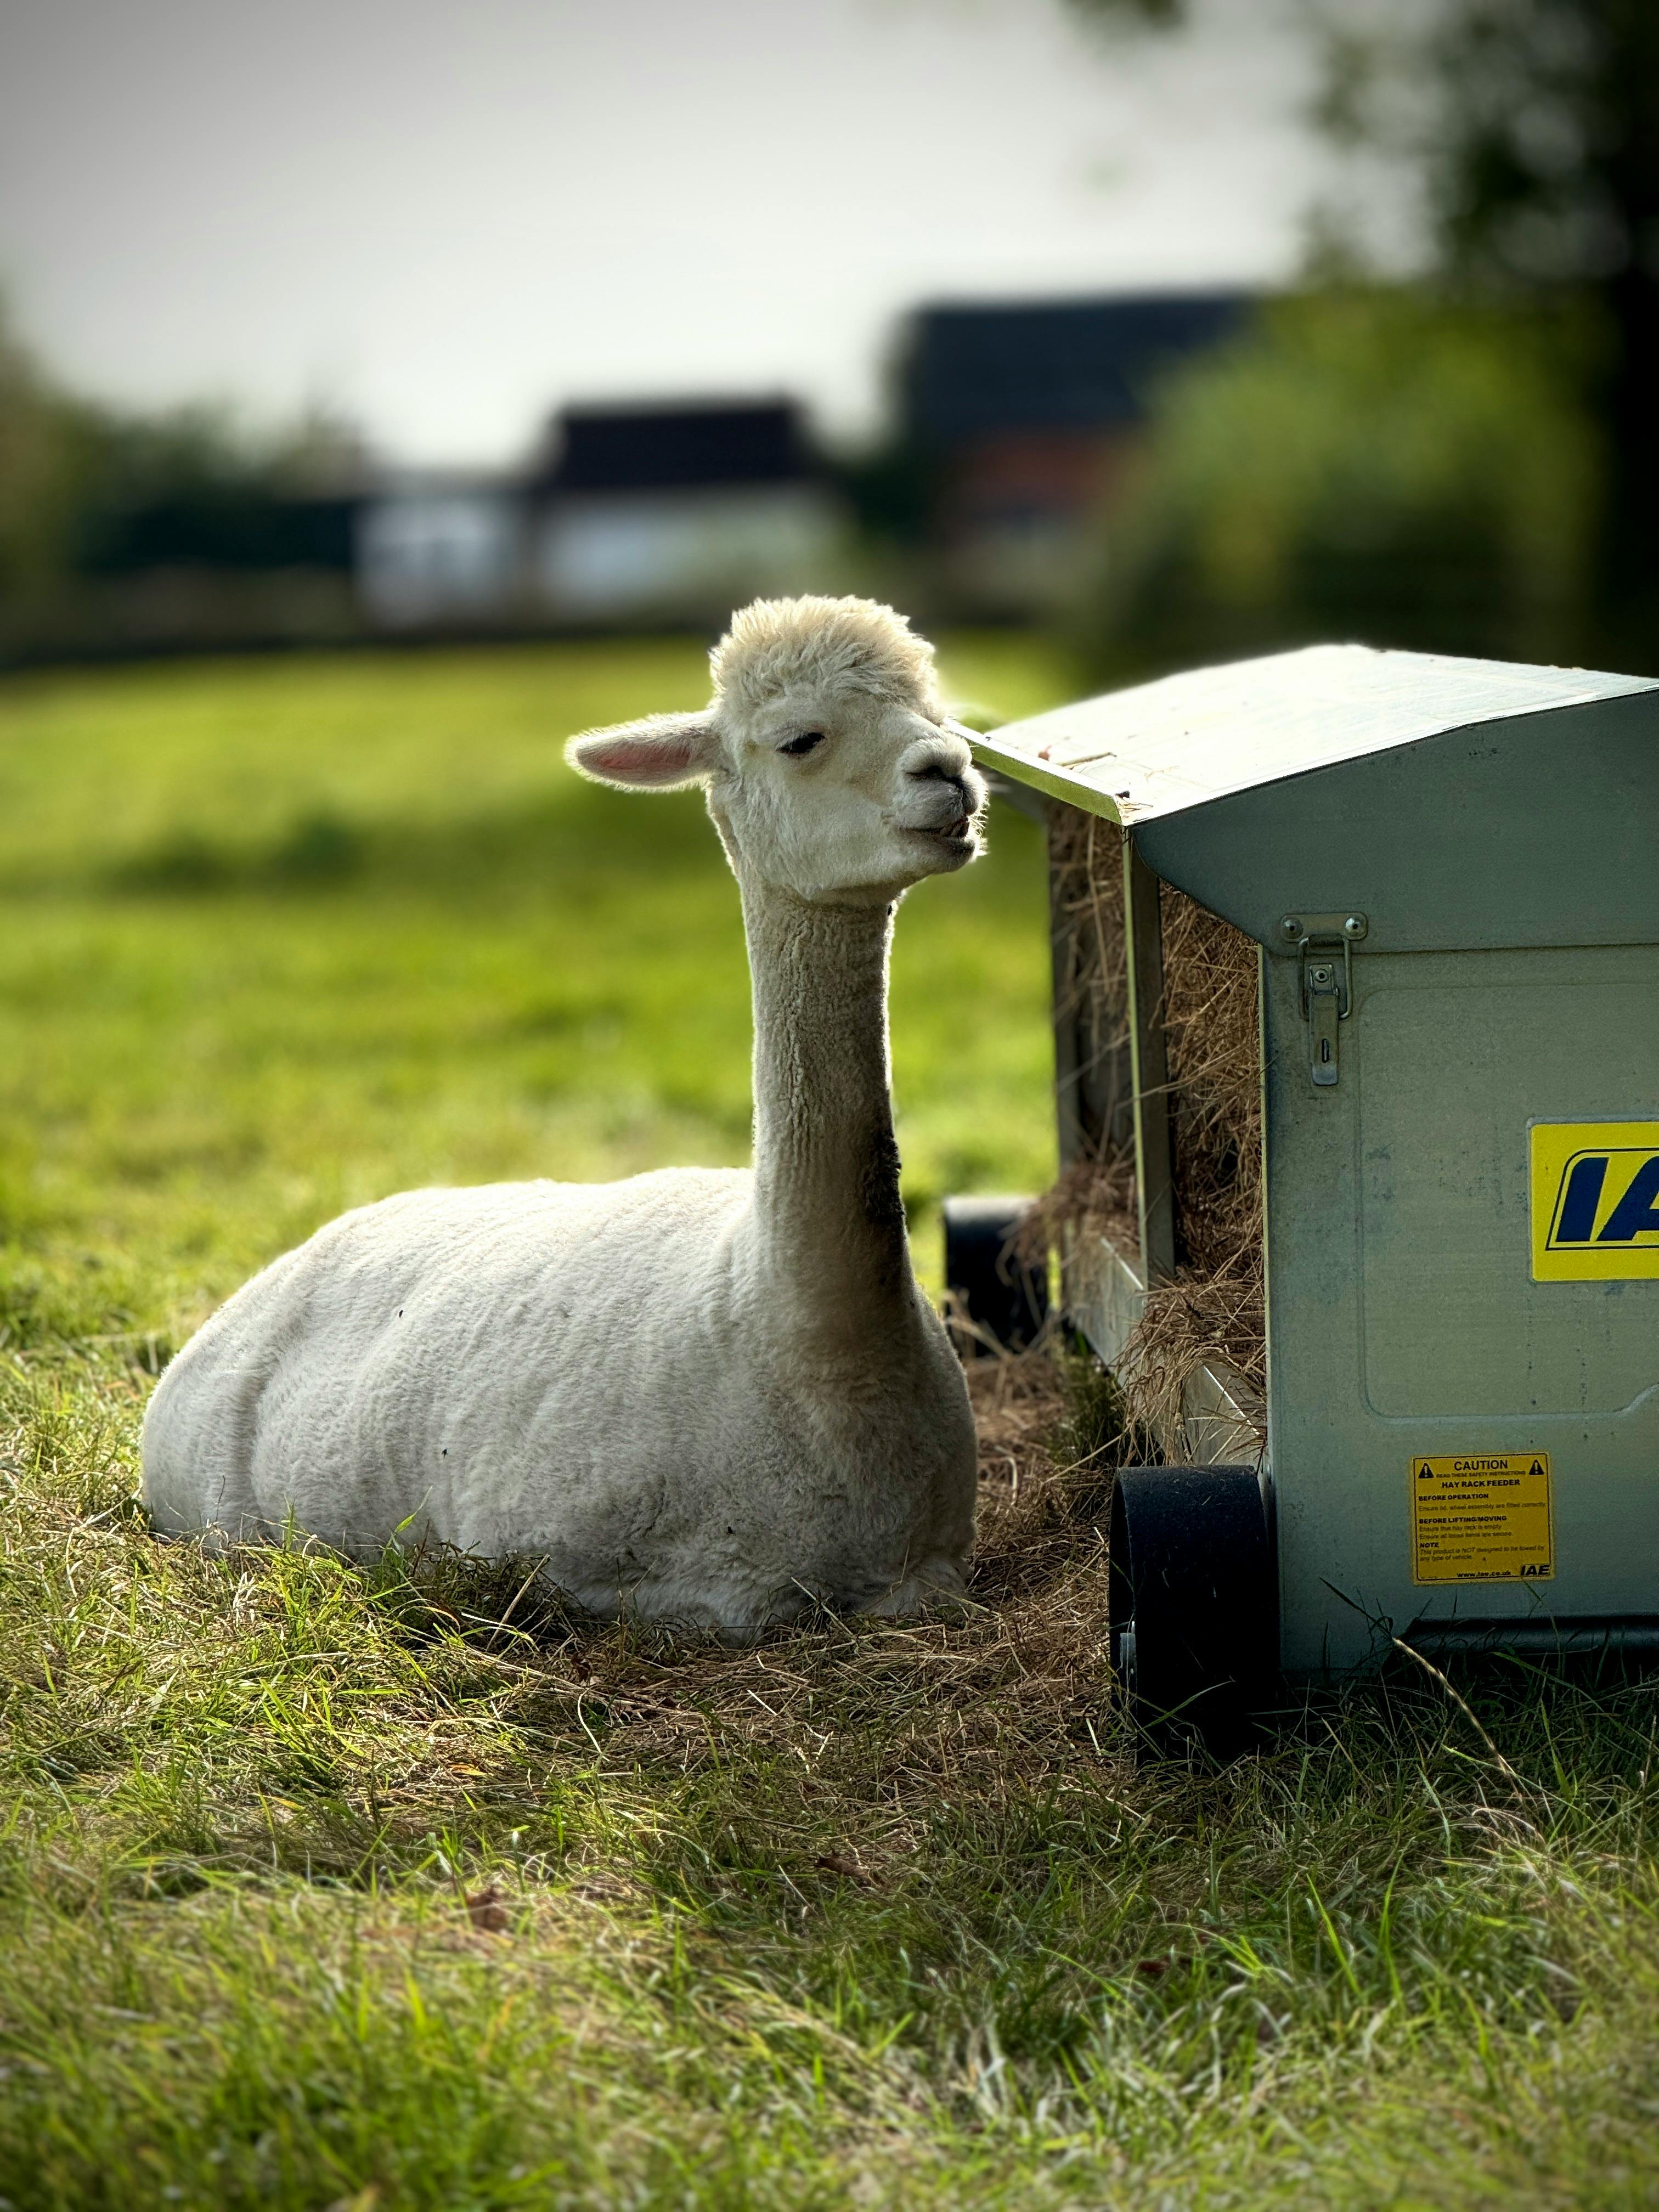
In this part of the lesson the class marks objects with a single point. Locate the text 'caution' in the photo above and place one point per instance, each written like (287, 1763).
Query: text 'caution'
(1484, 1517)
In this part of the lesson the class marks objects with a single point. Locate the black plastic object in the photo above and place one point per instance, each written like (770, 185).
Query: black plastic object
(1005, 1299)
(1193, 1605)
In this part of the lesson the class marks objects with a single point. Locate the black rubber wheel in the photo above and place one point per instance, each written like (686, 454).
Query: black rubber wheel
(1193, 1605)
(1008, 1301)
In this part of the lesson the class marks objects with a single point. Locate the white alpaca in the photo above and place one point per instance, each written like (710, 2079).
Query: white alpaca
(701, 1395)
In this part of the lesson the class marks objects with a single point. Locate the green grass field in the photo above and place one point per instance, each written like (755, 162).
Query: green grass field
(323, 1886)
(283, 936)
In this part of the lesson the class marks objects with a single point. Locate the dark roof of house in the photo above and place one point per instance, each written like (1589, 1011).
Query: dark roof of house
(1051, 365)
(657, 448)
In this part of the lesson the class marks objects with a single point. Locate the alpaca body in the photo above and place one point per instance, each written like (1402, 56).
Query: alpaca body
(705, 1396)
(596, 1376)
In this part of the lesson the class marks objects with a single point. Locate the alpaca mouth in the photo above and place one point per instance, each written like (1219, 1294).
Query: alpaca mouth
(954, 844)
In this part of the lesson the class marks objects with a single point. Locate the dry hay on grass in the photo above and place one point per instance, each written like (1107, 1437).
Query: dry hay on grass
(311, 1715)
(866, 1724)
(1214, 1310)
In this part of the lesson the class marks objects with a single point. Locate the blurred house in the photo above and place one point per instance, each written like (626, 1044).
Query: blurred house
(642, 515)
(437, 551)
(681, 513)
(1027, 416)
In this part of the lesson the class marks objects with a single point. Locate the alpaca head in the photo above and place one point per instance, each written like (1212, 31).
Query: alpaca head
(832, 771)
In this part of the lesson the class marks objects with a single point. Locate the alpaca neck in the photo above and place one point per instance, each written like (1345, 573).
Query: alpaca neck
(830, 1223)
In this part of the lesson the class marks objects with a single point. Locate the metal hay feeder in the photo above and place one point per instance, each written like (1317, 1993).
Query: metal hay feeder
(1450, 869)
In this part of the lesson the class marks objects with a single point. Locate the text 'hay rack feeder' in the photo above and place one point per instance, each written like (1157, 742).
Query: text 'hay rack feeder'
(1450, 869)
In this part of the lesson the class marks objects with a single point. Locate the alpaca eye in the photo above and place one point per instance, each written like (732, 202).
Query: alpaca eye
(803, 744)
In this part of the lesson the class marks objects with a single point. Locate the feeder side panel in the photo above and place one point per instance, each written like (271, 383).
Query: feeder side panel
(1404, 1322)
(1315, 1425)
(1542, 831)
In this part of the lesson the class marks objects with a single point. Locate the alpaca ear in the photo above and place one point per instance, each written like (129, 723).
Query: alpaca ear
(660, 753)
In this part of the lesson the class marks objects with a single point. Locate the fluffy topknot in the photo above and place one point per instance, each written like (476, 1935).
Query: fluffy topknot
(852, 644)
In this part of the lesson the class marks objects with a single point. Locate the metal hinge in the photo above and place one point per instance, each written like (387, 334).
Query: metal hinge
(1327, 981)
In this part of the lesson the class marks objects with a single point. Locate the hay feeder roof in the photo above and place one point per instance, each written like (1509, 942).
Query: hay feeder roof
(1459, 803)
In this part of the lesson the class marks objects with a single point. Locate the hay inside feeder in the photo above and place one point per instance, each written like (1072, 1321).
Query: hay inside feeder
(1212, 1314)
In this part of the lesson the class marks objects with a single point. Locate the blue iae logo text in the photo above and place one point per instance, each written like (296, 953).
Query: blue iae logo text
(1607, 1198)
(1592, 1199)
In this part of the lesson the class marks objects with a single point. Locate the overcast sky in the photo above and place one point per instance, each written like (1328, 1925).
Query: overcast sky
(443, 219)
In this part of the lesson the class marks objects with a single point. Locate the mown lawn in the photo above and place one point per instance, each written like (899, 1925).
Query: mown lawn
(326, 1886)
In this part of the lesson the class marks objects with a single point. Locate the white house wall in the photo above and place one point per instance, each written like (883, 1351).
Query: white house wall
(622, 556)
(428, 556)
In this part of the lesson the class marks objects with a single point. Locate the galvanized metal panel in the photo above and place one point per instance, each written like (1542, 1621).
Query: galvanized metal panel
(1156, 749)
(1453, 1322)
(1536, 831)
(1402, 1317)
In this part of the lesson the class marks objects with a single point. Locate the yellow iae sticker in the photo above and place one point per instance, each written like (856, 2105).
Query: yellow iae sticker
(1594, 1201)
(1484, 1517)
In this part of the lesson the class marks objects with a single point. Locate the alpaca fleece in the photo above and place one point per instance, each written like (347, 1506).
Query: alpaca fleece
(708, 1396)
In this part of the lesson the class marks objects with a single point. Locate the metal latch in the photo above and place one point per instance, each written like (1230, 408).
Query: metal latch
(1326, 980)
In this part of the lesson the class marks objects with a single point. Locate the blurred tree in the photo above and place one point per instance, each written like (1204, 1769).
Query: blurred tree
(1531, 128)
(1365, 463)
(46, 459)
(1111, 14)
(195, 489)
(86, 492)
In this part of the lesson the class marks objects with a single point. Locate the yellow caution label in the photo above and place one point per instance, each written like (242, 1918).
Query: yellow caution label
(1594, 1201)
(1484, 1517)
